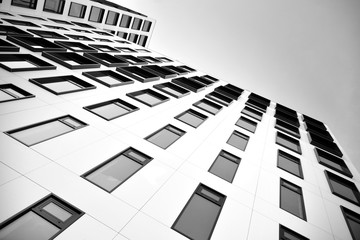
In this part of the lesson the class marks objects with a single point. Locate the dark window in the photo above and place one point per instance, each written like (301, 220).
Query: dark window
(85, 25)
(291, 199)
(23, 62)
(325, 144)
(219, 98)
(60, 21)
(225, 166)
(10, 92)
(121, 41)
(108, 78)
(177, 70)
(165, 136)
(47, 34)
(187, 68)
(125, 49)
(333, 162)
(77, 10)
(136, 24)
(121, 34)
(112, 109)
(132, 59)
(152, 59)
(81, 30)
(35, 44)
(172, 89)
(43, 220)
(76, 46)
(11, 30)
(133, 37)
(106, 59)
(204, 81)
(146, 27)
(238, 140)
(142, 40)
(71, 60)
(96, 14)
(252, 113)
(24, 3)
(353, 222)
(343, 188)
(192, 85)
(79, 37)
(288, 142)
(160, 71)
(5, 46)
(319, 131)
(164, 59)
(257, 105)
(208, 106)
(286, 117)
(62, 84)
(228, 92)
(125, 21)
(286, 110)
(148, 97)
(288, 234)
(138, 74)
(289, 163)
(103, 48)
(32, 17)
(287, 128)
(21, 23)
(198, 218)
(147, 51)
(55, 27)
(112, 173)
(42, 131)
(102, 33)
(54, 6)
(192, 118)
(210, 78)
(112, 18)
(260, 99)
(102, 40)
(247, 124)
(314, 122)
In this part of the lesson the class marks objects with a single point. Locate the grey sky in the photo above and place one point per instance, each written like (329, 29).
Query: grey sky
(303, 54)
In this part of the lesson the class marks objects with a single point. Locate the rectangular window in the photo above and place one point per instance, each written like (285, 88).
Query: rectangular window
(189, 69)
(290, 164)
(208, 106)
(112, 109)
(148, 97)
(35, 44)
(77, 10)
(102, 33)
(24, 3)
(96, 14)
(353, 222)
(291, 199)
(260, 99)
(160, 71)
(112, 18)
(11, 30)
(324, 144)
(133, 37)
(319, 131)
(10, 92)
(121, 34)
(106, 59)
(21, 23)
(125, 21)
(84, 25)
(228, 92)
(5, 46)
(252, 113)
(103, 40)
(287, 118)
(314, 122)
(343, 188)
(132, 60)
(198, 218)
(257, 105)
(165, 136)
(238, 140)
(192, 85)
(136, 24)
(247, 124)
(60, 21)
(138, 74)
(142, 40)
(23, 62)
(62, 84)
(219, 98)
(79, 37)
(71, 60)
(55, 27)
(40, 132)
(172, 89)
(288, 142)
(75, 46)
(43, 220)
(126, 49)
(54, 6)
(288, 234)
(108, 78)
(110, 174)
(152, 60)
(165, 59)
(175, 69)
(192, 118)
(103, 48)
(225, 166)
(332, 162)
(204, 81)
(32, 17)
(287, 128)
(146, 27)
(47, 34)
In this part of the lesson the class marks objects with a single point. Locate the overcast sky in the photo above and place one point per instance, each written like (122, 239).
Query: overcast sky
(303, 54)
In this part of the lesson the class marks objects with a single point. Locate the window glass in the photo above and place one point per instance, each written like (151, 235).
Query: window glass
(148, 97)
(208, 106)
(24, 3)
(77, 10)
(54, 6)
(252, 113)
(288, 142)
(247, 124)
(112, 18)
(192, 118)
(225, 166)
(343, 188)
(288, 234)
(147, 26)
(289, 163)
(125, 21)
(332, 162)
(9, 92)
(96, 14)
(353, 222)
(112, 109)
(291, 199)
(238, 140)
(165, 136)
(57, 211)
(136, 24)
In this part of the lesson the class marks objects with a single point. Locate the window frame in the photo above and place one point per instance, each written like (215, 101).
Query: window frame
(194, 113)
(30, 43)
(287, 128)
(219, 98)
(148, 91)
(257, 115)
(289, 139)
(177, 131)
(115, 20)
(283, 229)
(82, 10)
(16, 89)
(38, 63)
(347, 213)
(291, 158)
(210, 103)
(240, 135)
(138, 74)
(32, 4)
(94, 75)
(332, 158)
(234, 159)
(6, 46)
(126, 18)
(249, 121)
(189, 84)
(62, 57)
(100, 16)
(299, 192)
(162, 87)
(60, 8)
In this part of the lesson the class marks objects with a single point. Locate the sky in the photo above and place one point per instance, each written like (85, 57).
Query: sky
(302, 54)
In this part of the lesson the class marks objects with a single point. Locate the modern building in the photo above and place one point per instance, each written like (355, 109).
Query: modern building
(102, 138)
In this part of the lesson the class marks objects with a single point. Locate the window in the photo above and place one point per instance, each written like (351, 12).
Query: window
(319, 131)
(106, 59)
(103, 48)
(47, 34)
(257, 105)
(325, 144)
(177, 70)
(85, 25)
(102, 33)
(108, 78)
(121, 34)
(133, 37)
(164, 59)
(76, 46)
(165, 136)
(132, 59)
(151, 59)
(81, 30)
(54, 6)
(102, 40)
(219, 98)
(142, 50)
(287, 128)
(60, 21)
(225, 166)
(160, 71)
(343, 188)
(259, 99)
(62, 84)
(71, 60)
(10, 92)
(96, 14)
(5, 46)
(40, 132)
(198, 218)
(55, 27)
(112, 109)
(189, 84)
(148, 97)
(146, 27)
(138, 74)
(332, 162)
(21, 23)
(353, 222)
(136, 24)
(252, 113)
(290, 164)
(208, 106)
(43, 220)
(288, 142)
(210, 78)
(11, 30)
(142, 40)
(112, 18)
(172, 89)
(279, 114)
(32, 17)
(23, 62)
(314, 122)
(228, 92)
(79, 37)
(192, 118)
(35, 44)
(77, 10)
(125, 21)
(204, 81)
(125, 49)
(247, 124)
(288, 234)
(187, 68)
(24, 3)
(238, 140)
(291, 199)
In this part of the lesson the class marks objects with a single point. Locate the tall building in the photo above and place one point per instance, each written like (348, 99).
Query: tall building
(102, 138)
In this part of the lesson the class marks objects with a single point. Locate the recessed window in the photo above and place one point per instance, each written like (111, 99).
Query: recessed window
(125, 49)
(204, 81)
(103, 48)
(353, 222)
(10, 92)
(192, 85)
(47, 34)
(77, 10)
(42, 131)
(165, 59)
(108, 78)
(60, 21)
(252, 113)
(125, 21)
(198, 218)
(332, 162)
(208, 106)
(260, 99)
(21, 23)
(136, 24)
(172, 89)
(289, 163)
(219, 98)
(54, 6)
(76, 46)
(11, 30)
(62, 84)
(55, 27)
(71, 60)
(35, 44)
(148, 97)
(192, 118)
(165, 136)
(146, 27)
(121, 34)
(102, 33)
(24, 3)
(81, 30)
(324, 144)
(288, 142)
(110, 174)
(225, 166)
(106, 59)
(133, 37)
(121, 41)
(159, 71)
(179, 71)
(257, 105)
(284, 116)
(96, 14)
(103, 40)
(238, 140)
(291, 199)
(43, 220)
(5, 46)
(132, 59)
(187, 68)
(85, 25)
(314, 122)
(32, 17)
(112, 18)
(138, 74)
(23, 62)
(228, 92)
(79, 37)
(142, 40)
(288, 234)
(287, 128)
(319, 131)
(343, 188)
(147, 51)
(247, 124)
(151, 59)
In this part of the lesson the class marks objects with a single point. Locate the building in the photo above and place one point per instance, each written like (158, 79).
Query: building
(102, 138)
